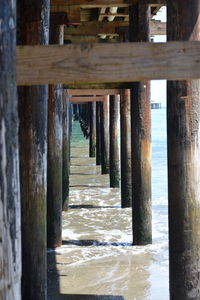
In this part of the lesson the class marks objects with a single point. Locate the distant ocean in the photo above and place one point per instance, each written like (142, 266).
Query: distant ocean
(159, 201)
(159, 154)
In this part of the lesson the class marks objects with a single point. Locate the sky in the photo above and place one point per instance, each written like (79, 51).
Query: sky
(158, 87)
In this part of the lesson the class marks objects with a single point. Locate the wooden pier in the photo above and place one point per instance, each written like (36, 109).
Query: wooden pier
(59, 55)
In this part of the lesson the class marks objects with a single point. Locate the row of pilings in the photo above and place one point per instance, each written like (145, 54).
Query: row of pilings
(31, 148)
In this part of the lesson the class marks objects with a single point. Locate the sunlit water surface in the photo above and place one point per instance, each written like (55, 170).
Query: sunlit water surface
(97, 257)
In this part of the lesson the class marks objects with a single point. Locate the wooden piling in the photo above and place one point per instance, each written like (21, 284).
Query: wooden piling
(141, 135)
(84, 121)
(183, 121)
(55, 154)
(92, 141)
(104, 111)
(33, 28)
(66, 161)
(125, 124)
(114, 141)
(10, 232)
(98, 135)
(70, 128)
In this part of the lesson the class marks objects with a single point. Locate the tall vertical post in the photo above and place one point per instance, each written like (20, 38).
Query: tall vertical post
(114, 141)
(66, 162)
(84, 122)
(55, 154)
(33, 29)
(183, 123)
(70, 129)
(98, 135)
(125, 124)
(104, 110)
(10, 234)
(140, 15)
(92, 116)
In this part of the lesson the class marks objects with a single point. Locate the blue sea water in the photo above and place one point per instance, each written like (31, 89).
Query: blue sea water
(159, 272)
(159, 154)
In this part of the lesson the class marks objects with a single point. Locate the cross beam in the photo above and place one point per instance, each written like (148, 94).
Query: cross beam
(95, 28)
(101, 63)
(103, 3)
(86, 99)
(87, 92)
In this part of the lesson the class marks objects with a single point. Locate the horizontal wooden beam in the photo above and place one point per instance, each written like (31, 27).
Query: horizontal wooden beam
(103, 3)
(92, 3)
(98, 92)
(95, 28)
(110, 28)
(100, 63)
(77, 39)
(120, 15)
(99, 86)
(86, 99)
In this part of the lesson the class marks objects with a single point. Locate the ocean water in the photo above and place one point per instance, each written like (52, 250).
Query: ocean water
(159, 203)
(97, 259)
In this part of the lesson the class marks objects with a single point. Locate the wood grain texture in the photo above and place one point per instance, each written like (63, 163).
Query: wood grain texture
(99, 86)
(183, 123)
(88, 92)
(114, 141)
(104, 119)
(10, 219)
(65, 154)
(85, 99)
(96, 27)
(33, 29)
(103, 3)
(92, 134)
(94, 63)
(125, 153)
(141, 136)
(54, 158)
(98, 134)
(79, 39)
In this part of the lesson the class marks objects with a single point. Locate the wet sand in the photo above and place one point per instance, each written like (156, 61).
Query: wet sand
(97, 259)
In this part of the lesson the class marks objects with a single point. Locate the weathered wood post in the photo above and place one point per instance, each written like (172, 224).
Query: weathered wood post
(183, 123)
(10, 234)
(55, 152)
(66, 160)
(98, 135)
(84, 122)
(141, 135)
(125, 125)
(114, 141)
(92, 116)
(104, 111)
(33, 29)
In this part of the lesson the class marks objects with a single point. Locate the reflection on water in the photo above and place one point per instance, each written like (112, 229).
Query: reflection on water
(97, 257)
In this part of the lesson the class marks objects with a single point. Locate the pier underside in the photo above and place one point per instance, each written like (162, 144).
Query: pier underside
(97, 260)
